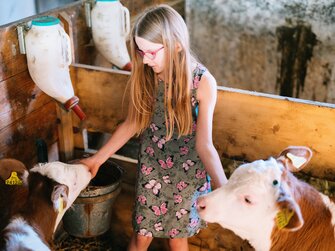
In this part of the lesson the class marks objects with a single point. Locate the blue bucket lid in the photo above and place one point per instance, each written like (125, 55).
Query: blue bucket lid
(107, 0)
(45, 21)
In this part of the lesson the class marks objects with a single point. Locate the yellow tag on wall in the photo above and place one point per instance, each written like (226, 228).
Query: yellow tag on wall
(13, 180)
(60, 205)
(283, 218)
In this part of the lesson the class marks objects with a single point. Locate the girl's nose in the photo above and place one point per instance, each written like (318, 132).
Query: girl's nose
(146, 60)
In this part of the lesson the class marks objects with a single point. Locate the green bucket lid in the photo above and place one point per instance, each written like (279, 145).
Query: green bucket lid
(107, 0)
(45, 21)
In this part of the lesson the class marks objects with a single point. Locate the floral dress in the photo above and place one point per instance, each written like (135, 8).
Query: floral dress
(170, 177)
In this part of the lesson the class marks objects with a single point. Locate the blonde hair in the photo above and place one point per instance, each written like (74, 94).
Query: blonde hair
(162, 24)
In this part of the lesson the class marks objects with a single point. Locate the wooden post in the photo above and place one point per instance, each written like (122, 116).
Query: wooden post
(65, 133)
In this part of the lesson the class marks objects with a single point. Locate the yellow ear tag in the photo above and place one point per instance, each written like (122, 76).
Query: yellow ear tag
(283, 218)
(13, 180)
(60, 205)
(296, 160)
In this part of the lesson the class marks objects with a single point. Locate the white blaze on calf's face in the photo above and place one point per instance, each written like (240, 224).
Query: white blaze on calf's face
(247, 203)
(75, 176)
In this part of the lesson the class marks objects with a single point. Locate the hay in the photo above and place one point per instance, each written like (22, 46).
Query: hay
(103, 242)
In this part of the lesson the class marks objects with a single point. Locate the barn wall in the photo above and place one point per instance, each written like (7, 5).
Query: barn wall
(281, 47)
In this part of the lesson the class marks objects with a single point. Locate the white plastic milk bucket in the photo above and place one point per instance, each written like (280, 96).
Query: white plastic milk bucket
(49, 55)
(110, 28)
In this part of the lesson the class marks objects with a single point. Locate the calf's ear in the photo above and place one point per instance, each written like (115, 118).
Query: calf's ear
(289, 214)
(9, 166)
(59, 197)
(295, 158)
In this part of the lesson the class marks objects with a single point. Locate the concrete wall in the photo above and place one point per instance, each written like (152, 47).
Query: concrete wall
(282, 47)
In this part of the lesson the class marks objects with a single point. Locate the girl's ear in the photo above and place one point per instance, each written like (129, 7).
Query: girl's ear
(295, 158)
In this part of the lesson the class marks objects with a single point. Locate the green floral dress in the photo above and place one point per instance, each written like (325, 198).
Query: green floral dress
(170, 177)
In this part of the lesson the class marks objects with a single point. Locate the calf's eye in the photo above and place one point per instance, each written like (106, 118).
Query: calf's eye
(247, 200)
(275, 182)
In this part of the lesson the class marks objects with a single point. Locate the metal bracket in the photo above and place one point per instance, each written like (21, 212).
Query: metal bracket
(88, 5)
(22, 28)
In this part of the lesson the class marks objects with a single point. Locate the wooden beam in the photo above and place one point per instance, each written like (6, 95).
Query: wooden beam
(18, 139)
(12, 62)
(65, 132)
(101, 94)
(250, 126)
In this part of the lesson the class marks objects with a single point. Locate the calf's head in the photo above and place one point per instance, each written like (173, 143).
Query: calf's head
(67, 182)
(257, 196)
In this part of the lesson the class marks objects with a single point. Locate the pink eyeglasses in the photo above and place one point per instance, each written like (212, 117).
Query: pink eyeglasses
(150, 54)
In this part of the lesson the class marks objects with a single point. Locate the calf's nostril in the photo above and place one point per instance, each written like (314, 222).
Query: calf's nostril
(201, 205)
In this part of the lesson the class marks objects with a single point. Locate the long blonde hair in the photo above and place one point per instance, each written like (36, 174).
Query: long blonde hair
(162, 24)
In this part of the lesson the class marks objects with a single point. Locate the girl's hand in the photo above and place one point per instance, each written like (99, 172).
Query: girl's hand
(91, 164)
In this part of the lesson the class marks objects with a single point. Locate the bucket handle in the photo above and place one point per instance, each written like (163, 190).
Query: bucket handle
(125, 21)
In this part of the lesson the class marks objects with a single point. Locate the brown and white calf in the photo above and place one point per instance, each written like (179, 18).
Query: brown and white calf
(51, 189)
(266, 204)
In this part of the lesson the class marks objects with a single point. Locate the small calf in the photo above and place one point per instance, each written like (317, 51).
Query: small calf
(266, 204)
(52, 188)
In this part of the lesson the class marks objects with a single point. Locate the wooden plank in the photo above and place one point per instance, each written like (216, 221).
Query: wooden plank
(101, 97)
(12, 62)
(18, 139)
(65, 132)
(247, 125)
(19, 96)
(250, 126)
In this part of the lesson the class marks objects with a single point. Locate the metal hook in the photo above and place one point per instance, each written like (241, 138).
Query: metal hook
(88, 16)
(22, 28)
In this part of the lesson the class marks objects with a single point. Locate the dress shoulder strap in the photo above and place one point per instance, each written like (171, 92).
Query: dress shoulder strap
(197, 74)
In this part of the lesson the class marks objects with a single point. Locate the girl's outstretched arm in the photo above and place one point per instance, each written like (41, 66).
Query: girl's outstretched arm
(122, 134)
(206, 95)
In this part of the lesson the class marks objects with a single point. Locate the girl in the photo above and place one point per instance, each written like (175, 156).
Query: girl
(172, 105)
